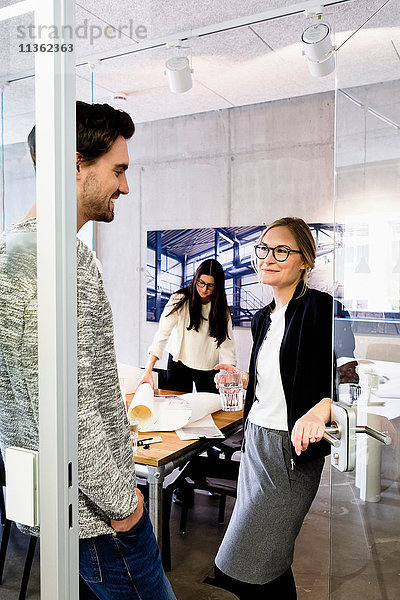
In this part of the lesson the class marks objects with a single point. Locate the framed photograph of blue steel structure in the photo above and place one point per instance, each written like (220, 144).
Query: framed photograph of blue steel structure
(174, 255)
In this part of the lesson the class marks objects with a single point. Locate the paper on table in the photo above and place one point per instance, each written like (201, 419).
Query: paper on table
(141, 408)
(204, 427)
(168, 413)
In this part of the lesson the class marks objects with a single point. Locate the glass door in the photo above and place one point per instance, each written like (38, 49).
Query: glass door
(38, 359)
(365, 488)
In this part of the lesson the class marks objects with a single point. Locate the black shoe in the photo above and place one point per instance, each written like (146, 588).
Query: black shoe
(183, 496)
(178, 496)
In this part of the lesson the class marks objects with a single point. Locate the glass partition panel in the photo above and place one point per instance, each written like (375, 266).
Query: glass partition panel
(18, 173)
(38, 439)
(365, 519)
(18, 292)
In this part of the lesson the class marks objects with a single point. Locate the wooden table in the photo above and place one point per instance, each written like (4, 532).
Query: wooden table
(162, 458)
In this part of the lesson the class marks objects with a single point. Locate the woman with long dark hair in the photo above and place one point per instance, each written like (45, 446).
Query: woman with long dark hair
(197, 325)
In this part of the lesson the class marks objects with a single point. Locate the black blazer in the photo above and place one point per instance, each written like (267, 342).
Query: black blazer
(306, 358)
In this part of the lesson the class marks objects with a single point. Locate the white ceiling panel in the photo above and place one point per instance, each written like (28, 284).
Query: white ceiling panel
(101, 32)
(249, 65)
(355, 65)
(14, 32)
(163, 18)
(151, 105)
(8, 2)
(19, 110)
(348, 16)
(131, 73)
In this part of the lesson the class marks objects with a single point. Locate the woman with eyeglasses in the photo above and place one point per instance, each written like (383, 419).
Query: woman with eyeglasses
(197, 325)
(287, 405)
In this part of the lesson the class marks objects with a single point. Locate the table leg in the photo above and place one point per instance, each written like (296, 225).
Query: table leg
(155, 480)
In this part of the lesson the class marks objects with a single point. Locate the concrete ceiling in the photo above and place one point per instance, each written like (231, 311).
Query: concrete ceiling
(257, 63)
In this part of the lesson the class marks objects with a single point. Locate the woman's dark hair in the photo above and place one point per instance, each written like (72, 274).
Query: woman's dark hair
(97, 128)
(219, 311)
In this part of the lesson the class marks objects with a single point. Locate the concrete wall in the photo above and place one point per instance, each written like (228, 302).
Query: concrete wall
(241, 166)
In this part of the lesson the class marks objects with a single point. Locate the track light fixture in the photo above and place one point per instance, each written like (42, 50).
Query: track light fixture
(318, 49)
(178, 71)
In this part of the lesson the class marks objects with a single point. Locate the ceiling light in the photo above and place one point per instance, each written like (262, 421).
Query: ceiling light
(179, 74)
(119, 100)
(318, 49)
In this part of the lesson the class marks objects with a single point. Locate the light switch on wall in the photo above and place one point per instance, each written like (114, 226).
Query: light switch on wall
(22, 499)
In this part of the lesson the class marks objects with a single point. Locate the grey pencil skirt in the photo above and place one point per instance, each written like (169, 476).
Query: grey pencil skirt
(274, 496)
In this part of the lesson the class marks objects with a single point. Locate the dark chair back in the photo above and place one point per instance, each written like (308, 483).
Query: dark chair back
(2, 484)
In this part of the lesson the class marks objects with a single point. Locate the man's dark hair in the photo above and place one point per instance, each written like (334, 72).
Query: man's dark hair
(97, 128)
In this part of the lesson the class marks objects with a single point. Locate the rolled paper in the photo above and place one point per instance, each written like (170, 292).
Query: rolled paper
(175, 412)
(202, 404)
(141, 408)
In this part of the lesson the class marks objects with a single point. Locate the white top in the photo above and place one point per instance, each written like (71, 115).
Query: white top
(269, 407)
(196, 349)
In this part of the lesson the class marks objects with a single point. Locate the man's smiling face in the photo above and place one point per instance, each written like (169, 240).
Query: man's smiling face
(100, 184)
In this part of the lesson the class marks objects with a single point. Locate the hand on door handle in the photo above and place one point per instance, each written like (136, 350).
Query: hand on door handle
(341, 434)
(329, 435)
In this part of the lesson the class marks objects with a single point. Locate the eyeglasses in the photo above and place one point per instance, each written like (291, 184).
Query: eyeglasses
(203, 284)
(280, 253)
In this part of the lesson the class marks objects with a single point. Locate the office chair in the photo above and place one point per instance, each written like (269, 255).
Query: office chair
(213, 475)
(230, 445)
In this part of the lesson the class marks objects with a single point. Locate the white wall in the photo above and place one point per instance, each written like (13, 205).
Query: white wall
(20, 183)
(241, 166)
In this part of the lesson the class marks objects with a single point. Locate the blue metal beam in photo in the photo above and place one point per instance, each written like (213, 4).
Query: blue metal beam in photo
(178, 237)
(184, 269)
(169, 254)
(243, 268)
(152, 246)
(247, 234)
(158, 275)
(225, 233)
(237, 284)
(193, 242)
(216, 244)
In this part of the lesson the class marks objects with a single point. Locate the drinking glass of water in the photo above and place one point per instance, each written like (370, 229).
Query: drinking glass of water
(134, 429)
(231, 390)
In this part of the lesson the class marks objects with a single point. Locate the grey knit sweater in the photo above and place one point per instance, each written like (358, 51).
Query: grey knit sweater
(105, 461)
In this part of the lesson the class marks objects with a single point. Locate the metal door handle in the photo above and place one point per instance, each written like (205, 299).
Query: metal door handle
(333, 430)
(341, 434)
(377, 435)
(330, 432)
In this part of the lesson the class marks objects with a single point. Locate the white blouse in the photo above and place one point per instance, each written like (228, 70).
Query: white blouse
(196, 349)
(269, 408)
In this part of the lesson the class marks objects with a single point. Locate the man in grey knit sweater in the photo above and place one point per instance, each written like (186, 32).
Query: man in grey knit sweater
(119, 556)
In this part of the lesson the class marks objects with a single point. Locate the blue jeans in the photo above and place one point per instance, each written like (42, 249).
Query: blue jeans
(125, 566)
